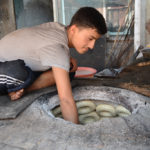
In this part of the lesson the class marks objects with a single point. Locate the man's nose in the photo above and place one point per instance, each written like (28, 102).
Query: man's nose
(91, 45)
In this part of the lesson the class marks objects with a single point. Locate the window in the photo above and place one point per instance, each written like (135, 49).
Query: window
(113, 11)
(32, 12)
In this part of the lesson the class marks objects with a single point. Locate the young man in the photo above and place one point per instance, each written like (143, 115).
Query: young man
(37, 57)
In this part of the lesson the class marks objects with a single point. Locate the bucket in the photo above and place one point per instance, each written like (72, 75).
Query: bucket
(85, 72)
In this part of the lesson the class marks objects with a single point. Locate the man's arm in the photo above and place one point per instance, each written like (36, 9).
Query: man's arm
(67, 103)
(73, 64)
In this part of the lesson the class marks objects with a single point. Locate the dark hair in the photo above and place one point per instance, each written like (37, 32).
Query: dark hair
(89, 17)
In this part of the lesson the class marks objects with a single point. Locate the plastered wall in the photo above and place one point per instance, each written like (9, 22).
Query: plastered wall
(7, 18)
(15, 14)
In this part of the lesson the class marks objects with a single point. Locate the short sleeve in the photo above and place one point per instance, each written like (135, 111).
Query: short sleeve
(55, 55)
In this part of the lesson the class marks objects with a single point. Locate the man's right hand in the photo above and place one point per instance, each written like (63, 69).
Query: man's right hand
(67, 103)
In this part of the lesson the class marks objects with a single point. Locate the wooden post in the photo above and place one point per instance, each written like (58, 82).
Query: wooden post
(139, 24)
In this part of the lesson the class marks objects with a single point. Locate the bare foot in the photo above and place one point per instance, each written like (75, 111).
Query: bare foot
(16, 95)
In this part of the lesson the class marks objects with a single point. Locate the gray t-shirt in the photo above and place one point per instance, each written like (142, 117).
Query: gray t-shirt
(41, 46)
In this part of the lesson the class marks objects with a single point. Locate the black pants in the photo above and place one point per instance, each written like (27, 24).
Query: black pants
(14, 75)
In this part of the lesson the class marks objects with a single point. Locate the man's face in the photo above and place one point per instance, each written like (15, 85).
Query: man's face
(84, 39)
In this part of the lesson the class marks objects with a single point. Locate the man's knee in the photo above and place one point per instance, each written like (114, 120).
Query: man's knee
(14, 75)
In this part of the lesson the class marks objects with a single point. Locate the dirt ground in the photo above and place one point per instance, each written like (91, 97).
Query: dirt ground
(135, 77)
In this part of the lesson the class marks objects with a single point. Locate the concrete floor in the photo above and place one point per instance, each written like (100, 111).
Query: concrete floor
(34, 129)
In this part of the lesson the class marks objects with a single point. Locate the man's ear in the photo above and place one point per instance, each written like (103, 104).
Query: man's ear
(73, 29)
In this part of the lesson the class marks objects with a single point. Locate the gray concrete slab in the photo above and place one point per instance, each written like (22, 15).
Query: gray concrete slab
(8, 147)
(34, 129)
(11, 109)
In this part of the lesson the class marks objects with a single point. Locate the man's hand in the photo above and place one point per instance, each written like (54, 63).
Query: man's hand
(73, 64)
(67, 103)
